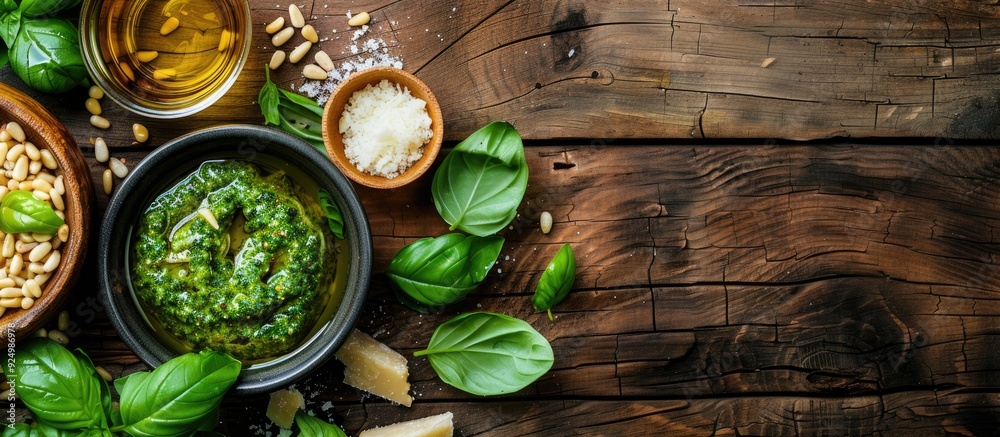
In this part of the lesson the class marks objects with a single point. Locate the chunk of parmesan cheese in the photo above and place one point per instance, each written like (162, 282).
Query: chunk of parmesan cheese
(283, 405)
(375, 368)
(433, 426)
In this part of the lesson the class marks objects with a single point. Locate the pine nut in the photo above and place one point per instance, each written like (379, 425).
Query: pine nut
(104, 374)
(62, 322)
(41, 238)
(8, 246)
(24, 185)
(40, 252)
(118, 168)
(36, 292)
(359, 19)
(41, 332)
(164, 73)
(309, 33)
(57, 200)
(20, 168)
(12, 184)
(99, 122)
(53, 262)
(34, 167)
(108, 181)
(11, 292)
(35, 269)
(49, 160)
(16, 132)
(41, 279)
(32, 151)
(275, 25)
(169, 26)
(15, 152)
(59, 185)
(225, 40)
(279, 39)
(146, 55)
(15, 266)
(25, 237)
(95, 92)
(11, 302)
(18, 280)
(209, 217)
(277, 59)
(27, 303)
(127, 71)
(299, 52)
(22, 247)
(58, 337)
(4, 135)
(295, 16)
(40, 184)
(63, 233)
(324, 61)
(101, 152)
(545, 220)
(140, 132)
(314, 72)
(6, 283)
(5, 147)
(93, 106)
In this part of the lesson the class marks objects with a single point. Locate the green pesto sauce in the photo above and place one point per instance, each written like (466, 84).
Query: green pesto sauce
(252, 288)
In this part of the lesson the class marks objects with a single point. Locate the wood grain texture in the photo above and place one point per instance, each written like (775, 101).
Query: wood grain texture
(824, 289)
(651, 68)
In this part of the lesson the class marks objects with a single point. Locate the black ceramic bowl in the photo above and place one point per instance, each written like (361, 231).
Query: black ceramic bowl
(174, 160)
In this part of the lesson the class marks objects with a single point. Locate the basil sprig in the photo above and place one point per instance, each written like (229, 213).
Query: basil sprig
(67, 397)
(556, 281)
(481, 182)
(21, 211)
(292, 113)
(43, 48)
(433, 272)
(488, 354)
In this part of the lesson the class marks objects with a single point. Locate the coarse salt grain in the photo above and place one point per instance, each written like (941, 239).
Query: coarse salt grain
(385, 128)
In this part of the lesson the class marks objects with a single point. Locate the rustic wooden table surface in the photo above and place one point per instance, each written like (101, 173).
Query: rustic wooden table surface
(732, 279)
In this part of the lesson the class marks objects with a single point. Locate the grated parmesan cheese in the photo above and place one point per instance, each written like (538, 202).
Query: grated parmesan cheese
(385, 129)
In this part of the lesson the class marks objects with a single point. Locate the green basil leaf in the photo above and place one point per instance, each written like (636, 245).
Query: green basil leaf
(312, 427)
(20, 211)
(481, 182)
(46, 55)
(488, 354)
(56, 386)
(303, 102)
(433, 272)
(46, 8)
(105, 390)
(178, 397)
(268, 99)
(4, 59)
(303, 123)
(556, 281)
(333, 216)
(19, 429)
(10, 21)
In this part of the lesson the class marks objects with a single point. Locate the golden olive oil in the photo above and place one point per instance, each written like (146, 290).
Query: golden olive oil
(172, 51)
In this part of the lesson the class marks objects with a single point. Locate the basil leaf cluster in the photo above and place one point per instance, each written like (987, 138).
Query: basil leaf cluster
(67, 396)
(482, 181)
(488, 354)
(434, 272)
(21, 211)
(43, 49)
(292, 113)
(556, 281)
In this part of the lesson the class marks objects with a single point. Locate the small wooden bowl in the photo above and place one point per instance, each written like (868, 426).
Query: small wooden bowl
(334, 141)
(45, 131)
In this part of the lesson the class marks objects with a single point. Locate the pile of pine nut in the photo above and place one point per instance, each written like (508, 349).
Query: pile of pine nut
(281, 34)
(27, 260)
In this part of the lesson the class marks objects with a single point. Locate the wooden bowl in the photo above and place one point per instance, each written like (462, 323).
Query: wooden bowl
(45, 131)
(334, 141)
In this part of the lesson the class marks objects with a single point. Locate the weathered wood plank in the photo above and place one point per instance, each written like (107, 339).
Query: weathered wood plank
(651, 69)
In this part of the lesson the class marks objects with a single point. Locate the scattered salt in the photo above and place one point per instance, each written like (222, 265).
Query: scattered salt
(571, 53)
